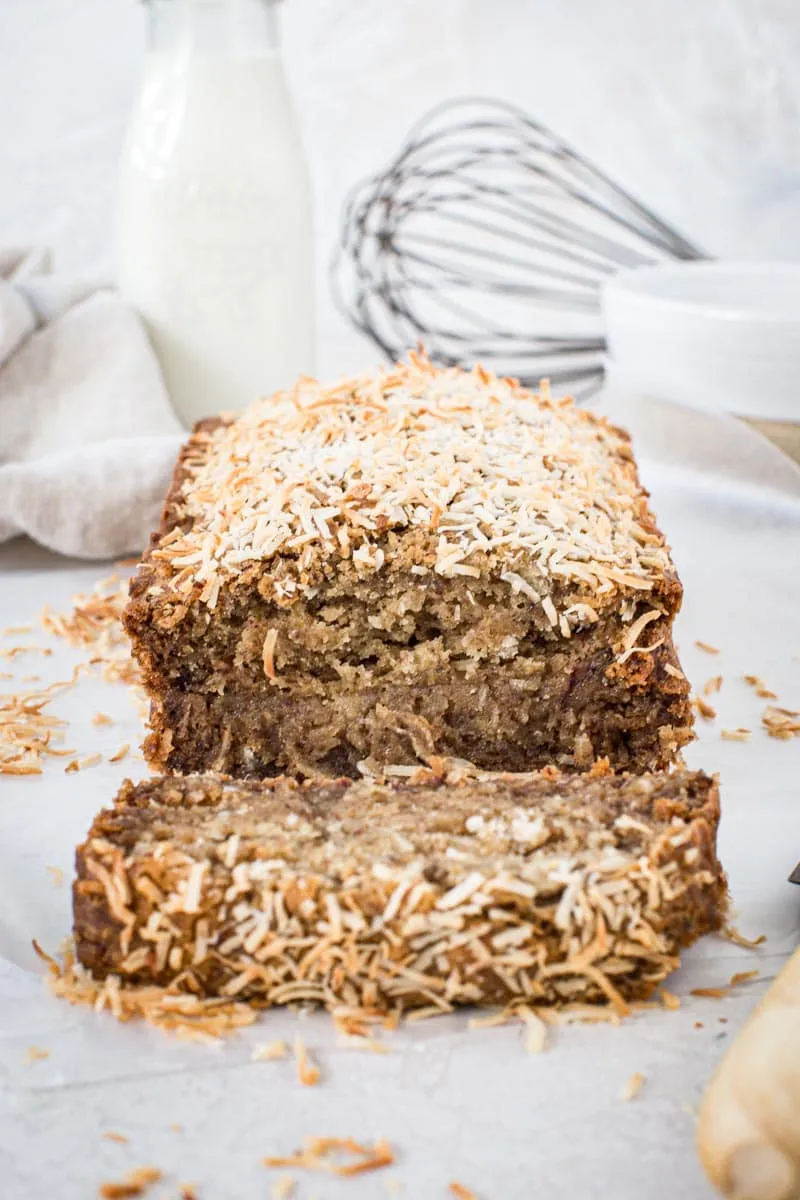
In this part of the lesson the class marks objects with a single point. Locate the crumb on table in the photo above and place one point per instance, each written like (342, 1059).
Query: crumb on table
(633, 1086)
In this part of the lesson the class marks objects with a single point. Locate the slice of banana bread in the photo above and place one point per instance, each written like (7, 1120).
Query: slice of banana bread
(408, 563)
(546, 888)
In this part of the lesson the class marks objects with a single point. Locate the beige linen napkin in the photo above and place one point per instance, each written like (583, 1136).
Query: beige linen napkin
(88, 438)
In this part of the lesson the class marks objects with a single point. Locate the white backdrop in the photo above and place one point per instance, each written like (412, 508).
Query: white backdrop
(692, 104)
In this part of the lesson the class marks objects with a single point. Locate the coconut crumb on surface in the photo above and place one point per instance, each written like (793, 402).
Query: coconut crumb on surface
(781, 723)
(707, 648)
(269, 1051)
(325, 1154)
(111, 1135)
(95, 625)
(135, 1183)
(283, 1187)
(670, 1000)
(28, 733)
(118, 755)
(712, 685)
(735, 735)
(188, 1191)
(16, 630)
(461, 1192)
(743, 977)
(759, 687)
(36, 1054)
(15, 651)
(307, 1070)
(82, 764)
(57, 876)
(710, 993)
(731, 934)
(631, 1089)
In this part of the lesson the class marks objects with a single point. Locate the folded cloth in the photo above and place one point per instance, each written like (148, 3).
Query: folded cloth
(88, 437)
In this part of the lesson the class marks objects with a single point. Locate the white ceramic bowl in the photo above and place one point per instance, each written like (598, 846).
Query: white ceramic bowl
(720, 336)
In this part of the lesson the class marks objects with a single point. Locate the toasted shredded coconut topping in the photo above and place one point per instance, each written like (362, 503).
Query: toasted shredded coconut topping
(548, 903)
(492, 476)
(95, 625)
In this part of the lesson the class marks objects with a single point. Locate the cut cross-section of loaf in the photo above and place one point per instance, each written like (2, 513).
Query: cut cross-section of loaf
(543, 889)
(408, 563)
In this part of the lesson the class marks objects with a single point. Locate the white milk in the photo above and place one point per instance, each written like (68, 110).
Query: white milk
(214, 237)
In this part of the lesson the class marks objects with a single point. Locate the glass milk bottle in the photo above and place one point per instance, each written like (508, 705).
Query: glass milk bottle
(214, 222)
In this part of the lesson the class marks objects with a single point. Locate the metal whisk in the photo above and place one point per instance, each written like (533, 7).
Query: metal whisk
(488, 238)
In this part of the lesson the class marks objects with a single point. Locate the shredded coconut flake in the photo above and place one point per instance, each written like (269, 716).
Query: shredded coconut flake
(634, 1085)
(269, 1051)
(781, 723)
(325, 1154)
(494, 477)
(460, 1191)
(307, 1070)
(135, 1183)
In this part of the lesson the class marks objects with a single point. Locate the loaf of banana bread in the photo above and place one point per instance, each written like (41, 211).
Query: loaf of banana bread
(408, 563)
(545, 888)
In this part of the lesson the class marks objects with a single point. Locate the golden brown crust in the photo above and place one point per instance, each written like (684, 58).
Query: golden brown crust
(449, 888)
(441, 472)
(253, 667)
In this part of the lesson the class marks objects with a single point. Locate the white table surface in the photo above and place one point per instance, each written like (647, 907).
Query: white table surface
(455, 1103)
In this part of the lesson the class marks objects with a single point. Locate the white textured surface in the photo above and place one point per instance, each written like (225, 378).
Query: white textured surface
(456, 1104)
(695, 107)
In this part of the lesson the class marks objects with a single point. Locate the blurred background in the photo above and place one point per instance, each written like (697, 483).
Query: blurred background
(694, 107)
